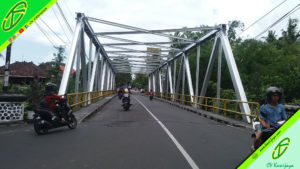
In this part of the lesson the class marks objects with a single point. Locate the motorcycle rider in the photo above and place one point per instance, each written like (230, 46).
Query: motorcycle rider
(49, 101)
(151, 92)
(126, 95)
(270, 113)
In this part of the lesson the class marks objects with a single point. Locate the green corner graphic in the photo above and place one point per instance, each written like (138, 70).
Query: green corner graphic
(17, 15)
(281, 150)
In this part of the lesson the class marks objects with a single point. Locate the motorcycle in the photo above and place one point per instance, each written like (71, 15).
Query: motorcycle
(42, 119)
(151, 96)
(126, 102)
(120, 95)
(266, 132)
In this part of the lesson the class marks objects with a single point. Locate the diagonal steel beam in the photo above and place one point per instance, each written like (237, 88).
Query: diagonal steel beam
(136, 29)
(186, 49)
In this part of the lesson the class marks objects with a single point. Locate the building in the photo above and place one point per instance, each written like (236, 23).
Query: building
(23, 73)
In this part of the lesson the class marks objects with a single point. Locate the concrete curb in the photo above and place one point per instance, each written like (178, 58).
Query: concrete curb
(94, 109)
(85, 112)
(14, 123)
(209, 115)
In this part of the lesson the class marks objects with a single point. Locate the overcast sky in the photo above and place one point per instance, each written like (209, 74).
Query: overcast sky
(32, 45)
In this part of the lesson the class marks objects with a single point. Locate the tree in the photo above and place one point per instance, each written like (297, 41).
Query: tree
(271, 36)
(140, 81)
(233, 27)
(291, 34)
(261, 64)
(54, 71)
(123, 79)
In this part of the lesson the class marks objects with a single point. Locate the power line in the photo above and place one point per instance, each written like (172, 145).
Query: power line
(61, 25)
(279, 20)
(53, 31)
(43, 31)
(68, 9)
(262, 17)
(64, 17)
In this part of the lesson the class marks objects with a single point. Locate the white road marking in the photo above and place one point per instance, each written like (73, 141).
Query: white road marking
(180, 148)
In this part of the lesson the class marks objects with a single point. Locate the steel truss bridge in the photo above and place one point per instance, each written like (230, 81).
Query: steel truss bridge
(160, 64)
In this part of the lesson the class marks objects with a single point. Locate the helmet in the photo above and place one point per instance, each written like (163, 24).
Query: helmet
(51, 87)
(273, 90)
(126, 91)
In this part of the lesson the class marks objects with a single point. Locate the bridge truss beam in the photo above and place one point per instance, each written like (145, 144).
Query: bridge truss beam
(90, 79)
(221, 45)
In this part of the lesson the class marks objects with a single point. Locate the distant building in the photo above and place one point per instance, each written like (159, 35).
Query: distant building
(23, 72)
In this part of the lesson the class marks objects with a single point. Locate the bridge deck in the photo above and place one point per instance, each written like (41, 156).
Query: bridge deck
(116, 139)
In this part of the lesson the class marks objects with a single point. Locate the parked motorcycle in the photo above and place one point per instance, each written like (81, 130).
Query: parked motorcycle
(42, 119)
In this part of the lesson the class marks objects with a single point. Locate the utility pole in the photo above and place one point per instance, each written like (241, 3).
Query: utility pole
(6, 71)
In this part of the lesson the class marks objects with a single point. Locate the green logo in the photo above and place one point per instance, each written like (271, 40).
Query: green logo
(281, 148)
(14, 16)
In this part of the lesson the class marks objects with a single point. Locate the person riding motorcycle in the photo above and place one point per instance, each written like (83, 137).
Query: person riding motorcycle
(151, 94)
(126, 95)
(49, 102)
(270, 114)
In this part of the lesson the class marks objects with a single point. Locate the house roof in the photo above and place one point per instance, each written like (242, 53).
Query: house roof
(62, 68)
(24, 69)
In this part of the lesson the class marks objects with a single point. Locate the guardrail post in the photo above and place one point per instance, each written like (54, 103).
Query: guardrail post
(225, 107)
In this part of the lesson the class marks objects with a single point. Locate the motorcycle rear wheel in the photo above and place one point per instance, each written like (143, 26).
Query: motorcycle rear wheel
(126, 108)
(72, 122)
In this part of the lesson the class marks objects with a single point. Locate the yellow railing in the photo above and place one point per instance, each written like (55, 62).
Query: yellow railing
(78, 100)
(226, 107)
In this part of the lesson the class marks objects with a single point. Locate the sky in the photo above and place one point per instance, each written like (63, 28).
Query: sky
(33, 46)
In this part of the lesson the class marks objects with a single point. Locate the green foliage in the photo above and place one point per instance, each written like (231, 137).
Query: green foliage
(271, 38)
(274, 62)
(233, 27)
(140, 81)
(291, 35)
(123, 79)
(296, 101)
(54, 66)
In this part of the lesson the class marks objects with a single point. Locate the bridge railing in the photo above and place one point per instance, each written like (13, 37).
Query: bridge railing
(227, 107)
(78, 100)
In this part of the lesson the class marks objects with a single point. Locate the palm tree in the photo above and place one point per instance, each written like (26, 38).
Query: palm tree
(291, 35)
(271, 37)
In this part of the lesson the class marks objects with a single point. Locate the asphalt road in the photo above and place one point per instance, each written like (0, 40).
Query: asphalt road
(162, 137)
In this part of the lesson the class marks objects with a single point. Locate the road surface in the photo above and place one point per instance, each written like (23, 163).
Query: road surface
(151, 135)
